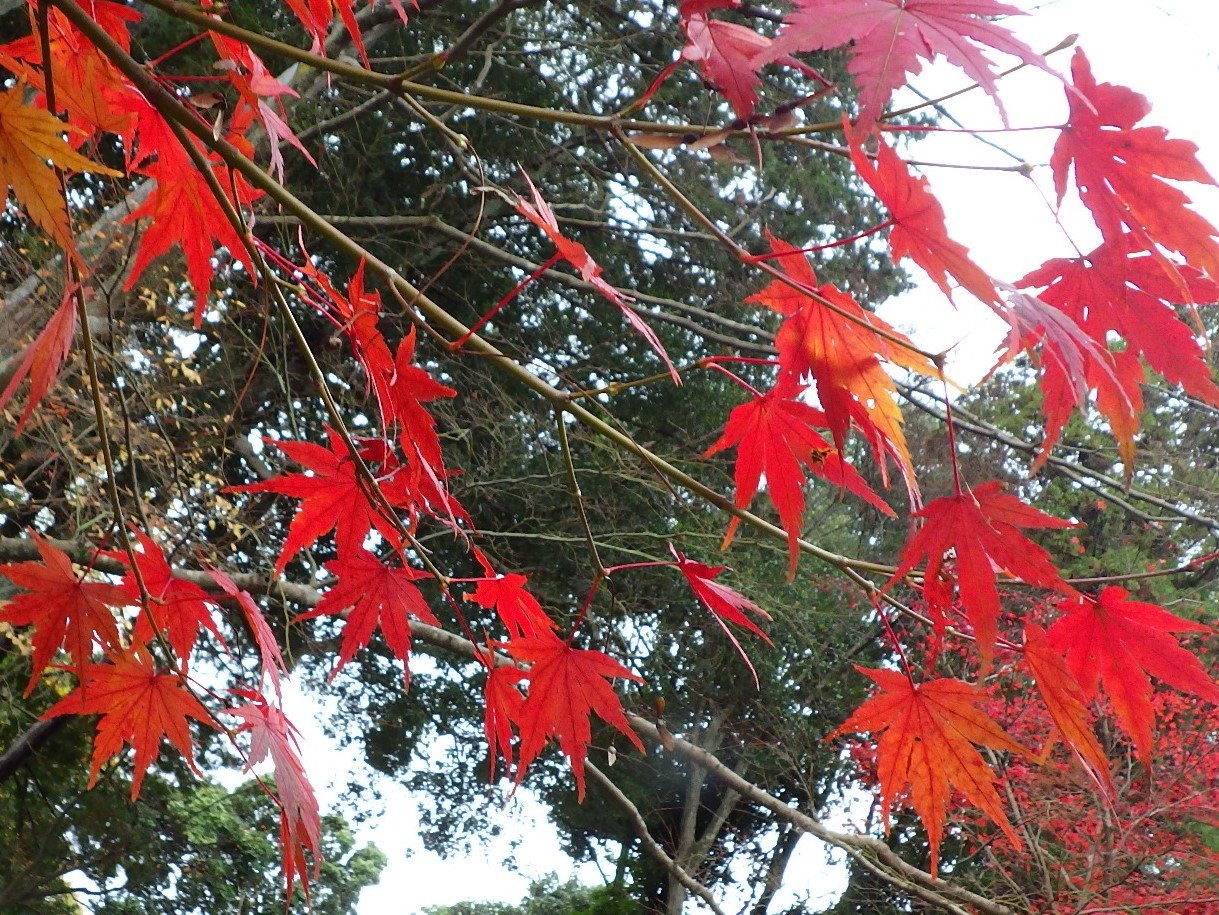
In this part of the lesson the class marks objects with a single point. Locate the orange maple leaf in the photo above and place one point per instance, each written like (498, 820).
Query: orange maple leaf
(890, 40)
(94, 94)
(272, 659)
(1115, 642)
(1114, 290)
(566, 687)
(726, 604)
(504, 702)
(1065, 701)
(139, 705)
(928, 731)
(411, 387)
(30, 143)
(179, 609)
(842, 348)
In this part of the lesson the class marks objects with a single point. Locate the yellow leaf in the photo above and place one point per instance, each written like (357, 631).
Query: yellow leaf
(30, 143)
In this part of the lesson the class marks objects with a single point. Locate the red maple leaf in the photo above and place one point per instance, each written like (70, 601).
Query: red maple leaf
(64, 609)
(411, 387)
(918, 229)
(1119, 170)
(260, 95)
(567, 686)
(43, 358)
(726, 604)
(890, 39)
(139, 705)
(774, 435)
(1065, 701)
(725, 52)
(504, 703)
(981, 529)
(357, 314)
(542, 216)
(272, 659)
(333, 499)
(1117, 643)
(183, 211)
(1073, 363)
(517, 609)
(178, 609)
(300, 827)
(1117, 380)
(317, 15)
(376, 595)
(729, 55)
(1134, 295)
(841, 347)
(928, 731)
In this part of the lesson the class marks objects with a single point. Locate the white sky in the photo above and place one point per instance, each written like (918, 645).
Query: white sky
(1162, 48)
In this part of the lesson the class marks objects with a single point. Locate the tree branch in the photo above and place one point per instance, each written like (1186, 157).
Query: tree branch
(650, 845)
(28, 743)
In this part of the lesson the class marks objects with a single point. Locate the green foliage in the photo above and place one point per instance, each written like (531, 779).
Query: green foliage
(550, 897)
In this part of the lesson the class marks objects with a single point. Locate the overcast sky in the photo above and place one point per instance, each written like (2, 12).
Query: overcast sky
(1162, 48)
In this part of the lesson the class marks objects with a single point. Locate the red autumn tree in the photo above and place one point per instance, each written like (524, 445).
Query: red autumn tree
(119, 582)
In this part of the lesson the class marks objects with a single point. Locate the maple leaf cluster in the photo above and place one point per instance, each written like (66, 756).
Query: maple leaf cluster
(128, 633)
(1157, 255)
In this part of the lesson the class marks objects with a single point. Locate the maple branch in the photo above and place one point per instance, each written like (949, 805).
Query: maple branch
(978, 426)
(402, 84)
(573, 485)
(650, 845)
(691, 323)
(868, 851)
(75, 289)
(488, 20)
